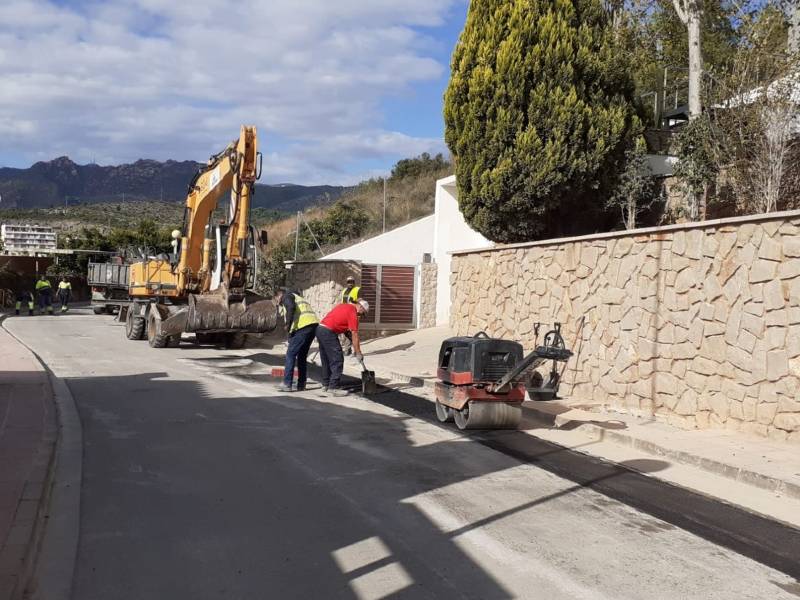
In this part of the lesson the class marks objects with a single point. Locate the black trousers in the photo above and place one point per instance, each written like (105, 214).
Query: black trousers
(330, 351)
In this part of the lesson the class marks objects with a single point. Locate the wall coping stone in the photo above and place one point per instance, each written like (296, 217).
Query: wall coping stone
(775, 216)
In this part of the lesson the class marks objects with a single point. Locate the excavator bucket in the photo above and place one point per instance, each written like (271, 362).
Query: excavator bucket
(213, 312)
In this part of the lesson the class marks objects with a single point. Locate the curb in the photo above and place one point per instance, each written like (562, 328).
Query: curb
(21, 550)
(52, 547)
(739, 474)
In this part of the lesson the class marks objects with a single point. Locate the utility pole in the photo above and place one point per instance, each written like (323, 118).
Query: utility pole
(384, 204)
(297, 236)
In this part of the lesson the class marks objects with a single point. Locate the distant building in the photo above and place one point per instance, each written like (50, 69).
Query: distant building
(27, 239)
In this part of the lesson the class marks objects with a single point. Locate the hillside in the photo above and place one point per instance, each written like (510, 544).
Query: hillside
(357, 214)
(61, 182)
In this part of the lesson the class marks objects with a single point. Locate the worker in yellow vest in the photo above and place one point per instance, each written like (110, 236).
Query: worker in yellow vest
(45, 292)
(64, 293)
(351, 293)
(301, 325)
(24, 297)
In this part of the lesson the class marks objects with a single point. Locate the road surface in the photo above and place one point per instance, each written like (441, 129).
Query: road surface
(197, 486)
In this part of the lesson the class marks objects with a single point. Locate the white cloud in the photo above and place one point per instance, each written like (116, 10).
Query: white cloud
(116, 80)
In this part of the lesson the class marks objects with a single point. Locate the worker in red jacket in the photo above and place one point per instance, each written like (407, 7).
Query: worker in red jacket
(342, 319)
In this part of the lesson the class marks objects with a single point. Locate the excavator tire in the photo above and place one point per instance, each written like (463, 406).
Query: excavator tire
(235, 341)
(134, 327)
(174, 341)
(155, 338)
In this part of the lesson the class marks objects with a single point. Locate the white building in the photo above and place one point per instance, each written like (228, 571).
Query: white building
(427, 240)
(27, 239)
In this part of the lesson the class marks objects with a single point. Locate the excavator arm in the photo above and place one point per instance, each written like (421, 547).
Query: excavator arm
(235, 169)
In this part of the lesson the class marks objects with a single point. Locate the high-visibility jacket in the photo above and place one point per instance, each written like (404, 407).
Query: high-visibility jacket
(42, 285)
(304, 315)
(64, 285)
(350, 295)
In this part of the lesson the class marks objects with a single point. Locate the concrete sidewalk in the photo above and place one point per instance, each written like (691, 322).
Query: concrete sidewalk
(746, 470)
(28, 434)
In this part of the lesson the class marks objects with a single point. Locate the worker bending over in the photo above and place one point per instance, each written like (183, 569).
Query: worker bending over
(26, 297)
(301, 325)
(343, 318)
(45, 291)
(64, 293)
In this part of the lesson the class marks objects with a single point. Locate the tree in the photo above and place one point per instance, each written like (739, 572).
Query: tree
(635, 190)
(537, 113)
(690, 12)
(696, 168)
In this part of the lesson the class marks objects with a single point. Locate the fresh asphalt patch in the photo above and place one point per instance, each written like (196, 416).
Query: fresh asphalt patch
(770, 542)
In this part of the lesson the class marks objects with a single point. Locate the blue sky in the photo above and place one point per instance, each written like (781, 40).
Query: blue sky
(339, 90)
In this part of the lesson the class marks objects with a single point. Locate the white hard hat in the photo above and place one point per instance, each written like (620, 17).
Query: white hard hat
(364, 304)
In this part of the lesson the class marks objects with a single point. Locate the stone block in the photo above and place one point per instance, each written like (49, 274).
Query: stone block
(687, 403)
(770, 250)
(679, 368)
(703, 419)
(685, 280)
(773, 295)
(767, 393)
(791, 248)
(777, 435)
(737, 410)
(704, 366)
(777, 364)
(765, 412)
(788, 405)
(789, 269)
(679, 243)
(710, 246)
(720, 405)
(713, 348)
(787, 421)
(707, 311)
(749, 409)
(752, 324)
(762, 270)
(739, 358)
(733, 424)
(775, 338)
(753, 308)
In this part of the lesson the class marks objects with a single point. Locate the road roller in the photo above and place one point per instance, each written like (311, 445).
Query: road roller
(482, 380)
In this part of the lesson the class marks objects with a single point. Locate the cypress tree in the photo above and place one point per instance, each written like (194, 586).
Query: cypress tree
(538, 113)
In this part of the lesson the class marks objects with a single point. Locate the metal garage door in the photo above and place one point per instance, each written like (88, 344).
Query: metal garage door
(390, 292)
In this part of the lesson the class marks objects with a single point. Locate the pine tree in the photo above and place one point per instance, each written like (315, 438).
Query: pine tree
(538, 113)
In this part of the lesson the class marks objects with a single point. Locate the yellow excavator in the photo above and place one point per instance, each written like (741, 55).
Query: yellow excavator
(206, 285)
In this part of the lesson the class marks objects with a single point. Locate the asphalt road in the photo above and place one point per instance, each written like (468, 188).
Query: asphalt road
(197, 485)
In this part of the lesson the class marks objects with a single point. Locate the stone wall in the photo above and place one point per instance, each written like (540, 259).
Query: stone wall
(322, 282)
(427, 296)
(697, 325)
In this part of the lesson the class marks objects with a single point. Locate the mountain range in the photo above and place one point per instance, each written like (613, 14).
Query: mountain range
(61, 181)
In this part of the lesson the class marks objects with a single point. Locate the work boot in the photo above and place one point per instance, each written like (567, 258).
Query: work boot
(283, 388)
(339, 392)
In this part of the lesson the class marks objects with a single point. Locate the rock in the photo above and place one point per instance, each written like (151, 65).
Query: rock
(710, 246)
(694, 243)
(763, 270)
(737, 410)
(679, 243)
(720, 405)
(741, 359)
(773, 295)
(789, 269)
(777, 365)
(749, 409)
(753, 324)
(791, 248)
(787, 405)
(770, 250)
(777, 435)
(787, 421)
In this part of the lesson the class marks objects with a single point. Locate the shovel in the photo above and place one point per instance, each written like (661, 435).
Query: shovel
(368, 385)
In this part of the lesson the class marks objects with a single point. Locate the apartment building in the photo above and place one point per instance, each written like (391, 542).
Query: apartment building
(24, 239)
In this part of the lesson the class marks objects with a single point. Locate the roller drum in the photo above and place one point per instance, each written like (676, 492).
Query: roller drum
(488, 415)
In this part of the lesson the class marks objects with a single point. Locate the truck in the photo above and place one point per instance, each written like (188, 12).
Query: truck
(206, 285)
(108, 282)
